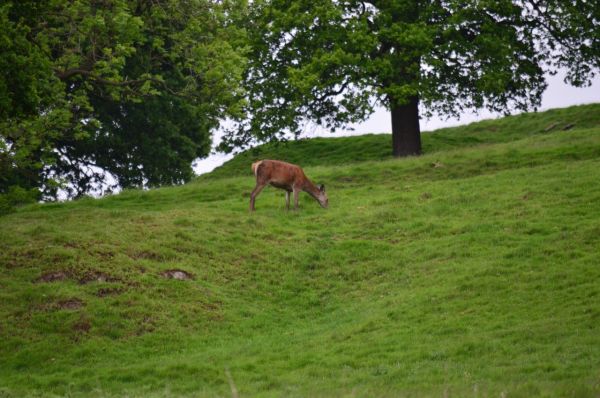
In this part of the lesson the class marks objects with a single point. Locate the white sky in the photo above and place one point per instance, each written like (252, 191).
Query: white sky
(557, 95)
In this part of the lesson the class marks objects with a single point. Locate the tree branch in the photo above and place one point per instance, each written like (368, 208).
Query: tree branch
(550, 27)
(333, 93)
(68, 73)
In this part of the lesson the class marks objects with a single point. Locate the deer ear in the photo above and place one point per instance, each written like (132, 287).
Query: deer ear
(322, 188)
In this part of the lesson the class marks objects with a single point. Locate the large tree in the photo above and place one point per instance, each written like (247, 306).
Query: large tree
(129, 87)
(332, 61)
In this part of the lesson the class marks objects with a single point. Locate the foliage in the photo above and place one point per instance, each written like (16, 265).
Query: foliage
(571, 29)
(127, 87)
(464, 272)
(16, 196)
(330, 63)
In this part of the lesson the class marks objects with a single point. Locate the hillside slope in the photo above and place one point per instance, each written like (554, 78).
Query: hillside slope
(471, 271)
(346, 150)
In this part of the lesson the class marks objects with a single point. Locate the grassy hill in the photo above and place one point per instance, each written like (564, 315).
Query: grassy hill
(348, 150)
(473, 270)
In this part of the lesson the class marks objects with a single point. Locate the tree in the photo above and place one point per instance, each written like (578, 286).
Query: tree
(330, 62)
(133, 88)
(570, 32)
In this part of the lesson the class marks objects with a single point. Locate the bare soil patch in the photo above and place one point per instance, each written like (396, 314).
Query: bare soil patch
(95, 276)
(109, 291)
(81, 276)
(69, 304)
(146, 255)
(426, 196)
(82, 326)
(53, 276)
(177, 274)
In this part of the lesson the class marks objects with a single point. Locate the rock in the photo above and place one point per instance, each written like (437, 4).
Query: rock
(177, 274)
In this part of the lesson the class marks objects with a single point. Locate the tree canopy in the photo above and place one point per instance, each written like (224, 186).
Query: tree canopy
(331, 62)
(129, 87)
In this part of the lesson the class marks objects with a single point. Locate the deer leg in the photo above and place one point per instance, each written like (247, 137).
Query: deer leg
(296, 193)
(287, 200)
(259, 187)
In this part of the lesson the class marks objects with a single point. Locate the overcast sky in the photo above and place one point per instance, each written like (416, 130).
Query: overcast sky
(557, 95)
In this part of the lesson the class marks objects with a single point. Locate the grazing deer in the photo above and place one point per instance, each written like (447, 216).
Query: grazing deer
(288, 177)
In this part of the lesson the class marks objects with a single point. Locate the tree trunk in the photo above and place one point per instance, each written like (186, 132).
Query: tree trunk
(406, 134)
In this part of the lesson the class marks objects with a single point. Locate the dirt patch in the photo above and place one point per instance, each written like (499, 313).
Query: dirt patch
(53, 276)
(95, 276)
(527, 196)
(81, 276)
(426, 195)
(82, 326)
(146, 255)
(73, 245)
(69, 304)
(177, 274)
(551, 127)
(104, 255)
(145, 325)
(18, 258)
(109, 291)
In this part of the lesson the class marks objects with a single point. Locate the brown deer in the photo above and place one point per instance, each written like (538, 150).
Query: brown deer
(288, 177)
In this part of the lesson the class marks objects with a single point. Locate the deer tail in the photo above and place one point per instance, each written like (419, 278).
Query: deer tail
(255, 167)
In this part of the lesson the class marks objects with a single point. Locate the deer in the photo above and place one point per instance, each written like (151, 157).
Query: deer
(286, 176)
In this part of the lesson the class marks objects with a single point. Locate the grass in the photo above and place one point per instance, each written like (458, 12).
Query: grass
(470, 271)
(348, 150)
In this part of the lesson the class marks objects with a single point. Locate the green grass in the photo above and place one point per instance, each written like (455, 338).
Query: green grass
(473, 270)
(348, 150)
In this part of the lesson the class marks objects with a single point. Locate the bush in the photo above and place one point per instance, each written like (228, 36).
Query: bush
(16, 196)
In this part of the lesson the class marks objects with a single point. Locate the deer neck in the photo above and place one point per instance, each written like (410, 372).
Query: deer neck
(310, 188)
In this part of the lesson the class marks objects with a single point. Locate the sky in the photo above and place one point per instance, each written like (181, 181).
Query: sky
(558, 94)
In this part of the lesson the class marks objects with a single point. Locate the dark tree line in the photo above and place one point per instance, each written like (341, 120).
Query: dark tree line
(129, 87)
